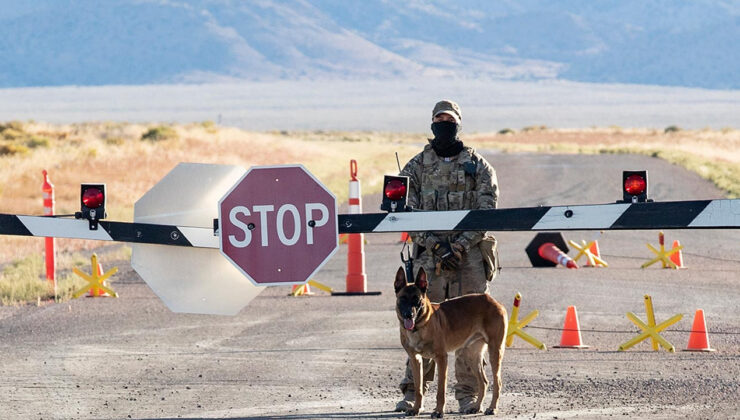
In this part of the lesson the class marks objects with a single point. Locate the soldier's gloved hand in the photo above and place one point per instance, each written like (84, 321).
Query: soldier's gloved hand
(449, 255)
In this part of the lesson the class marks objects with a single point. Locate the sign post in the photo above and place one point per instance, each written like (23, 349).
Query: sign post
(278, 225)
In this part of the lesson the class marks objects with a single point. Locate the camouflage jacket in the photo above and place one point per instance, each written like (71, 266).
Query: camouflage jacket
(463, 182)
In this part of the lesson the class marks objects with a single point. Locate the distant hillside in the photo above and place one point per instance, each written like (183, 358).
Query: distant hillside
(87, 42)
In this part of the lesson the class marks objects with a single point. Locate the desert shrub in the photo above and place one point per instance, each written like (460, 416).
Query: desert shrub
(11, 125)
(12, 134)
(672, 129)
(13, 149)
(506, 131)
(160, 133)
(535, 128)
(37, 141)
(354, 137)
(209, 126)
(115, 141)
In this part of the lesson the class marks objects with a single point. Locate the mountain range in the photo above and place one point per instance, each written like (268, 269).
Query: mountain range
(691, 43)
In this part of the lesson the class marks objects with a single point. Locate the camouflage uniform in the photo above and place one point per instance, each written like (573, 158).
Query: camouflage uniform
(462, 182)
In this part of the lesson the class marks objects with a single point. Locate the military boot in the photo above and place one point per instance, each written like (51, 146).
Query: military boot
(407, 402)
(469, 405)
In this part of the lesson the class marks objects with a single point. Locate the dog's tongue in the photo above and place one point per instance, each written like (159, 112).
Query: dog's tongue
(408, 323)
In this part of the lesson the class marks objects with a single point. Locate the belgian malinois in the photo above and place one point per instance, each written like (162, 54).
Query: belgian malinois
(431, 330)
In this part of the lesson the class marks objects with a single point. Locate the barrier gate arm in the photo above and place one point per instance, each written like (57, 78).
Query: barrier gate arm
(108, 231)
(702, 214)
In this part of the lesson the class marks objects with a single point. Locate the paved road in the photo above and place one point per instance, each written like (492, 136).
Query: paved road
(340, 357)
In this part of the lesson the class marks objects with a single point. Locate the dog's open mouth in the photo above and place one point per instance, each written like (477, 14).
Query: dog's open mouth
(408, 323)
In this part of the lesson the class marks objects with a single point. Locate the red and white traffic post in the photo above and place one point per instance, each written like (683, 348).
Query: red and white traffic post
(47, 189)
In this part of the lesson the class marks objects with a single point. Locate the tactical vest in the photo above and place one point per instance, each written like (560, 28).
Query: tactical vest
(448, 183)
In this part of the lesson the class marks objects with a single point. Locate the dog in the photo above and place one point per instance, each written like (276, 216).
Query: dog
(431, 330)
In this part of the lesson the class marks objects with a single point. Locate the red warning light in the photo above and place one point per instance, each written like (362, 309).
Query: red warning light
(92, 204)
(93, 198)
(395, 190)
(635, 185)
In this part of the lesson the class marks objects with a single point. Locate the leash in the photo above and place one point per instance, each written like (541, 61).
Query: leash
(408, 262)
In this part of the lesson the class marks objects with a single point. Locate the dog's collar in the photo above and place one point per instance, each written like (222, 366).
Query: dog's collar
(426, 316)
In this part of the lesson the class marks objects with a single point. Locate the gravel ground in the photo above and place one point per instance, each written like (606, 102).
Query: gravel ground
(340, 357)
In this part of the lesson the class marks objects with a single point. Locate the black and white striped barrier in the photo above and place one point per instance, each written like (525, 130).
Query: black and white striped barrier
(108, 231)
(703, 214)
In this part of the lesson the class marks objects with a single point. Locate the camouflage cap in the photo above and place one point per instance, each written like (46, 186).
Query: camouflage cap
(447, 107)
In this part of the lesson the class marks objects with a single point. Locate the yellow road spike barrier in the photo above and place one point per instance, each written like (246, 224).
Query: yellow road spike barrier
(297, 290)
(516, 325)
(651, 330)
(585, 250)
(95, 281)
(320, 286)
(662, 255)
(305, 290)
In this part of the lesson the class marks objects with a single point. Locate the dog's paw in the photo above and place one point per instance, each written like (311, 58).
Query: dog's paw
(437, 414)
(412, 412)
(490, 412)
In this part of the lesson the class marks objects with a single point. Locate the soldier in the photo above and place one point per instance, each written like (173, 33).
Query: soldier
(447, 175)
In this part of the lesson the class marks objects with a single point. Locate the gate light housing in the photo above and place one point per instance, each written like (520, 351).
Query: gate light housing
(635, 187)
(395, 193)
(92, 204)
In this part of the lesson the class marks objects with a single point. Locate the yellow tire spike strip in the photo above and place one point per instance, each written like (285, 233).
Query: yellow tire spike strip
(320, 286)
(662, 255)
(585, 250)
(302, 290)
(95, 281)
(516, 325)
(651, 330)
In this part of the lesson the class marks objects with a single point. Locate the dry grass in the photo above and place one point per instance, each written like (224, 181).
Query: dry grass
(23, 281)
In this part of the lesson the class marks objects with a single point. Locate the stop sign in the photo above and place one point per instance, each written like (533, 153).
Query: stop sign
(278, 225)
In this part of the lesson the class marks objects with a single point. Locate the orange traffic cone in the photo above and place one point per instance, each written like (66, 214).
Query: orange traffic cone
(594, 250)
(571, 338)
(551, 252)
(677, 257)
(405, 237)
(302, 289)
(343, 238)
(699, 338)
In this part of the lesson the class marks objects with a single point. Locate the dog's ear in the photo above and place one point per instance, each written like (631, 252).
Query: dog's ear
(400, 282)
(421, 280)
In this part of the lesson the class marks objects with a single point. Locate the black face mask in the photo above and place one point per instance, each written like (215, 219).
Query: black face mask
(445, 142)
